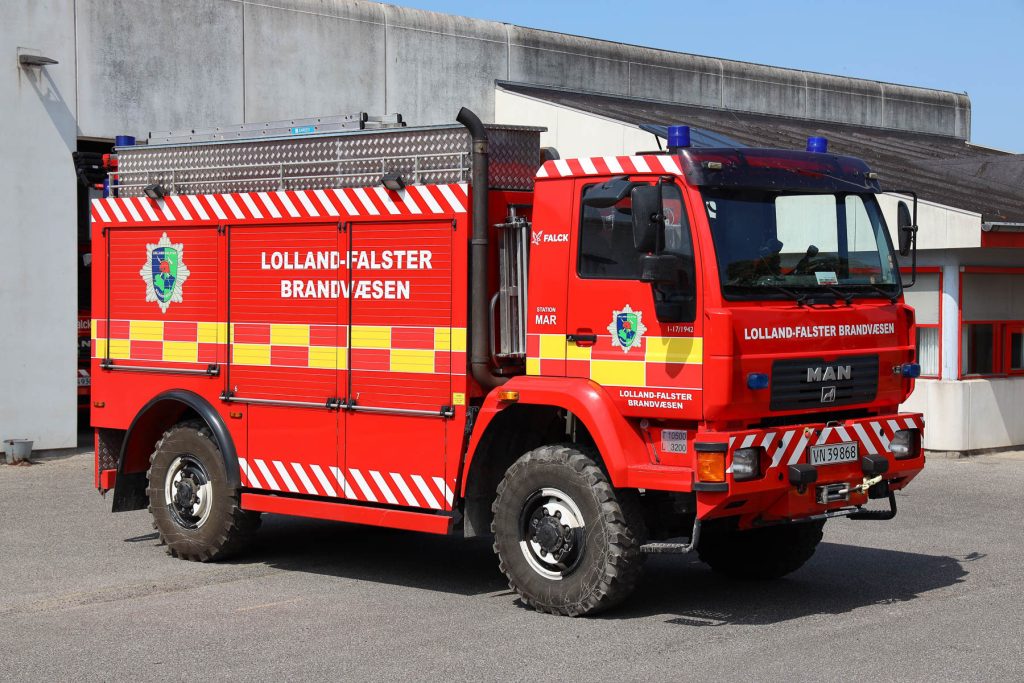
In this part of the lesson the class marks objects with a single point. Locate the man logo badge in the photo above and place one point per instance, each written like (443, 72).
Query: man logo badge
(828, 394)
(829, 373)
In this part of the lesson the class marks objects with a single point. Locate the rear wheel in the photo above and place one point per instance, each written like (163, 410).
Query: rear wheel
(194, 508)
(567, 541)
(767, 553)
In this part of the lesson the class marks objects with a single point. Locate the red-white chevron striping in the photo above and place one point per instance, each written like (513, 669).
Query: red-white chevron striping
(647, 163)
(371, 486)
(788, 445)
(414, 200)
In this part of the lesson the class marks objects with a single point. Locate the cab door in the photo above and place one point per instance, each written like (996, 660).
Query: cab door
(640, 341)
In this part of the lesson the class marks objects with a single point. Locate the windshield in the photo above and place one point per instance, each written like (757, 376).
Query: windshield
(773, 243)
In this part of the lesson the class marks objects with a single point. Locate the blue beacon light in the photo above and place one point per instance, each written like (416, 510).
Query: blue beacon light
(678, 136)
(817, 144)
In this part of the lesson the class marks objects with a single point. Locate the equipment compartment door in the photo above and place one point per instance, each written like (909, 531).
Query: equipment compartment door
(163, 302)
(287, 353)
(650, 367)
(400, 298)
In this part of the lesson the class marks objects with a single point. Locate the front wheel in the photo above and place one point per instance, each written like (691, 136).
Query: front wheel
(567, 541)
(766, 553)
(194, 508)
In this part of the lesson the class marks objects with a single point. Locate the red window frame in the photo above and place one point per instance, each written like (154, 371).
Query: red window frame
(1000, 333)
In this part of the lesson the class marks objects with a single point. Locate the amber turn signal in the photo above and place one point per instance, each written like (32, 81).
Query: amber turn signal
(508, 395)
(710, 466)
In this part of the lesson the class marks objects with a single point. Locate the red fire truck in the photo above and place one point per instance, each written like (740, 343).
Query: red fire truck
(439, 329)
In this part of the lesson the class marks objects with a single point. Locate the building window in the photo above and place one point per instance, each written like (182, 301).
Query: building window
(928, 350)
(977, 349)
(1015, 348)
(992, 307)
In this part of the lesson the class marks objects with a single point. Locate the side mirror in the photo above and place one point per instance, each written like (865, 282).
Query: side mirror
(648, 217)
(905, 228)
(661, 269)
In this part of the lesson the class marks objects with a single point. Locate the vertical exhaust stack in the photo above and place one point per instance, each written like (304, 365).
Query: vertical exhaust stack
(479, 311)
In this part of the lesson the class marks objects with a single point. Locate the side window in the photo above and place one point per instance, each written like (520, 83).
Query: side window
(606, 242)
(606, 237)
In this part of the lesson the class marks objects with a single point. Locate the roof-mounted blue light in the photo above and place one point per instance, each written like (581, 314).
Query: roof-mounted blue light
(124, 140)
(678, 136)
(817, 144)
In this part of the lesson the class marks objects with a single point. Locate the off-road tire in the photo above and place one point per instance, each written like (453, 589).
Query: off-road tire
(609, 563)
(227, 527)
(767, 553)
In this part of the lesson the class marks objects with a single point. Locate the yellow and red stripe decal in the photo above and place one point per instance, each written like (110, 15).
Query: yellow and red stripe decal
(375, 347)
(552, 354)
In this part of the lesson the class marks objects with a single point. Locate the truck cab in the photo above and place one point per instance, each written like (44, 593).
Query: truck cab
(739, 313)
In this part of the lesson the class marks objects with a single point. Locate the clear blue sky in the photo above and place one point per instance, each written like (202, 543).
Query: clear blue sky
(974, 47)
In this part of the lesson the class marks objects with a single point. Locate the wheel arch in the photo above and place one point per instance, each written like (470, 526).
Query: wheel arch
(503, 431)
(153, 419)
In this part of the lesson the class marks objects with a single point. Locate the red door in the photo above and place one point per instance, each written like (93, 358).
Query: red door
(399, 384)
(651, 367)
(287, 354)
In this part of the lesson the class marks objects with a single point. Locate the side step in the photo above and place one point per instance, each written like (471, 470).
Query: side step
(668, 548)
(343, 512)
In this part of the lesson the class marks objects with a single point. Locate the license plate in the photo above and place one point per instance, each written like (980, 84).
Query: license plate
(832, 453)
(673, 441)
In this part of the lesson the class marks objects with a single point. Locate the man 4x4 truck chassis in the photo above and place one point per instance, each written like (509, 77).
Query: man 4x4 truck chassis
(418, 328)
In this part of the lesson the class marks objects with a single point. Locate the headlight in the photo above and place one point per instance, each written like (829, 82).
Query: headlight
(905, 444)
(746, 464)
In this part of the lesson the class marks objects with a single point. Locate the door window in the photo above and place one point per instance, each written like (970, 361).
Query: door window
(606, 236)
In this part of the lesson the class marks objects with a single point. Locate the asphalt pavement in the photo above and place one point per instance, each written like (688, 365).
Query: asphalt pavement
(89, 595)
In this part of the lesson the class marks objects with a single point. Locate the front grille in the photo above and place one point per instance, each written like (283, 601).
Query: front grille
(814, 384)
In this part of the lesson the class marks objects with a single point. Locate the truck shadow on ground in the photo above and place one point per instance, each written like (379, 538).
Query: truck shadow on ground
(680, 589)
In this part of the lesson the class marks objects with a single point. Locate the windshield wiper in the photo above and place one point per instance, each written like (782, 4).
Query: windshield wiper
(798, 297)
(845, 296)
(873, 287)
(887, 294)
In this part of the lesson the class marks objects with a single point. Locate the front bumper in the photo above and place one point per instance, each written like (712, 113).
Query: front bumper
(777, 494)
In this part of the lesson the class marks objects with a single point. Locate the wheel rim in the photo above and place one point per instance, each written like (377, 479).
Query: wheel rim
(552, 533)
(188, 492)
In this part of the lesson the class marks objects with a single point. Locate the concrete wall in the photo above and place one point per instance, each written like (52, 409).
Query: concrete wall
(153, 65)
(38, 305)
(970, 415)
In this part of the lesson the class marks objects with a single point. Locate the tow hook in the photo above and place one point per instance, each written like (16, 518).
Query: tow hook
(834, 493)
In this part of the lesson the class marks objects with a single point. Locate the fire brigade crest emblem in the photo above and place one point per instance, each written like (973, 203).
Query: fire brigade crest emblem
(164, 272)
(627, 328)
